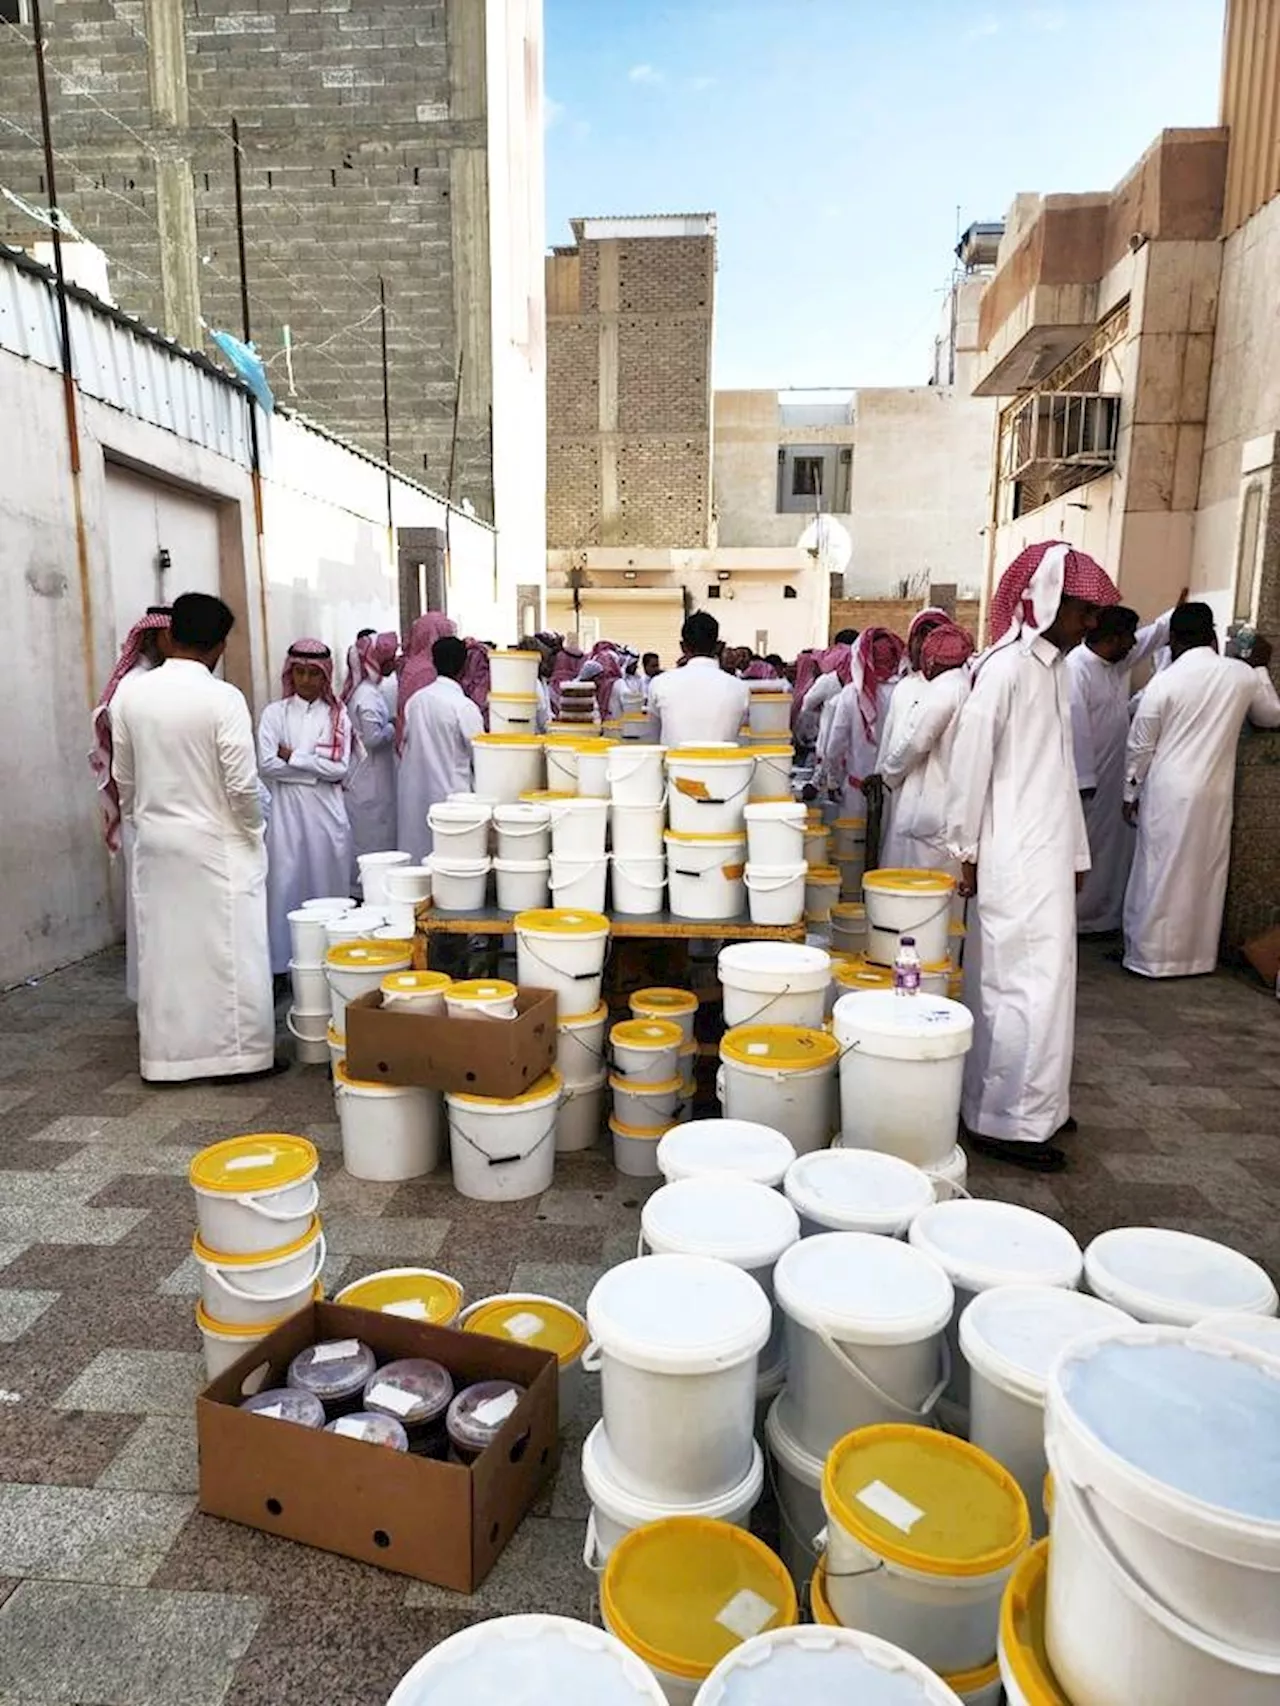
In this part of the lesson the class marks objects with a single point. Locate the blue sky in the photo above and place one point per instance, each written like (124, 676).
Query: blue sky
(836, 139)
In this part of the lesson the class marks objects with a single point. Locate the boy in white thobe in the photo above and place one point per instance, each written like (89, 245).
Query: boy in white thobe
(188, 784)
(906, 695)
(1180, 790)
(861, 709)
(915, 759)
(699, 704)
(304, 753)
(1015, 825)
(371, 780)
(1099, 674)
(440, 723)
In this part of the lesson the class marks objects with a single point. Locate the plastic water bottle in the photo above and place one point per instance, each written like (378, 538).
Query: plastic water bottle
(906, 968)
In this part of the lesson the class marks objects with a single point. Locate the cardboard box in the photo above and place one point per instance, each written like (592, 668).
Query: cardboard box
(483, 1057)
(1263, 954)
(441, 1522)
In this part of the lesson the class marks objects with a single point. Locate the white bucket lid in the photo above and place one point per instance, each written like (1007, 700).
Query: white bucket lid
(679, 1314)
(982, 1243)
(1172, 1277)
(774, 968)
(523, 866)
(470, 812)
(365, 860)
(919, 1027)
(527, 1659)
(777, 811)
(786, 1450)
(751, 1151)
(821, 1666)
(1189, 1425)
(442, 866)
(857, 1190)
(522, 814)
(629, 1510)
(1013, 1334)
(733, 1219)
(1257, 1332)
(863, 1288)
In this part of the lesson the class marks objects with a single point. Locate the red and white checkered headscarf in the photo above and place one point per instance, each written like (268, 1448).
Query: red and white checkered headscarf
(317, 653)
(877, 659)
(1035, 584)
(366, 659)
(922, 623)
(947, 646)
(419, 669)
(100, 758)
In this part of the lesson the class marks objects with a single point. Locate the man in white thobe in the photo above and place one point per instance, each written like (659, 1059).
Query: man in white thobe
(1015, 825)
(371, 780)
(440, 723)
(185, 770)
(905, 696)
(915, 755)
(1099, 674)
(304, 754)
(1180, 790)
(861, 709)
(699, 704)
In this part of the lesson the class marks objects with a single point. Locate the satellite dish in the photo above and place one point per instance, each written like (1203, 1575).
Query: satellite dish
(828, 543)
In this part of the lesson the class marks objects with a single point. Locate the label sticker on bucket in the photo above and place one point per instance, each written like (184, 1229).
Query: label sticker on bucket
(692, 790)
(239, 1163)
(350, 1426)
(524, 1326)
(273, 1410)
(337, 1350)
(890, 1505)
(495, 1410)
(746, 1614)
(411, 1307)
(756, 1048)
(392, 1398)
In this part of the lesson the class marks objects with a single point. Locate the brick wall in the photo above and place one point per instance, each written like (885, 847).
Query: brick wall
(345, 121)
(895, 614)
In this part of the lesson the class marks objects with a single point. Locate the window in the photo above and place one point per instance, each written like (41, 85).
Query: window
(814, 477)
(1247, 552)
(806, 477)
(15, 11)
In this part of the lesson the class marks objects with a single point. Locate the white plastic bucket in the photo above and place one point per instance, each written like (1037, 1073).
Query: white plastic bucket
(901, 1072)
(357, 968)
(541, 1323)
(726, 1146)
(678, 1006)
(593, 771)
(775, 833)
(705, 876)
(616, 1510)
(458, 885)
(354, 925)
(807, 1666)
(513, 713)
(1169, 1443)
(774, 983)
(309, 1031)
(1112, 1641)
(578, 828)
(481, 998)
(574, 1664)
(406, 885)
(337, 1047)
(636, 776)
(709, 789)
(224, 1344)
(797, 1483)
(1258, 1332)
(562, 763)
(579, 884)
(581, 1115)
(784, 1077)
(775, 893)
(389, 1131)
(307, 936)
(950, 1177)
(849, 839)
(848, 927)
(523, 831)
(636, 831)
(507, 766)
(635, 1148)
(373, 868)
(907, 903)
(646, 1050)
(983, 1244)
(817, 849)
(460, 831)
(522, 883)
(310, 987)
(638, 885)
(513, 673)
(580, 1050)
(1010, 1337)
(234, 1214)
(504, 1150)
(676, 1339)
(641, 1107)
(821, 892)
(261, 1289)
(329, 905)
(563, 950)
(772, 777)
(856, 1190)
(770, 714)
(414, 991)
(865, 1319)
(1174, 1279)
(980, 1687)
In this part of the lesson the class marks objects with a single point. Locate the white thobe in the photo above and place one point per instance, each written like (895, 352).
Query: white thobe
(1100, 727)
(126, 860)
(390, 690)
(1014, 808)
(915, 762)
(626, 697)
(699, 704)
(435, 761)
(817, 713)
(185, 767)
(309, 835)
(902, 703)
(1180, 767)
(851, 753)
(371, 780)
(543, 715)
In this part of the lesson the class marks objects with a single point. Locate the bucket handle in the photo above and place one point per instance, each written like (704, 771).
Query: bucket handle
(729, 800)
(530, 829)
(911, 929)
(295, 1032)
(591, 1546)
(640, 883)
(811, 1543)
(925, 1414)
(758, 887)
(593, 1358)
(291, 1214)
(503, 1160)
(220, 1274)
(576, 977)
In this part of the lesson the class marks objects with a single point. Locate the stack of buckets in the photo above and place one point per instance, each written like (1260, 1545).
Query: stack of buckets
(309, 1016)
(647, 1085)
(391, 1131)
(259, 1243)
(778, 1066)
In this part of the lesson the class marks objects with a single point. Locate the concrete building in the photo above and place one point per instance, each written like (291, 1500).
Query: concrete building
(380, 139)
(166, 503)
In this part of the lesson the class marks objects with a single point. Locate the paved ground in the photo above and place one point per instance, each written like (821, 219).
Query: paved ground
(115, 1592)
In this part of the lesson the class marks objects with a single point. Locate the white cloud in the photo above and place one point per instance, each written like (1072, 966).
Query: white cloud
(1047, 18)
(985, 25)
(698, 84)
(645, 73)
(552, 112)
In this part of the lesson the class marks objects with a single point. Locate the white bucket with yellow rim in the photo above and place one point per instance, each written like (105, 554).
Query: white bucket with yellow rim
(636, 1106)
(417, 1294)
(772, 778)
(255, 1193)
(580, 1050)
(540, 1323)
(849, 839)
(507, 766)
(581, 1115)
(848, 925)
(504, 1150)
(709, 788)
(513, 672)
(263, 1288)
(481, 998)
(636, 776)
(358, 968)
(225, 1342)
(646, 1050)
(563, 949)
(821, 889)
(706, 875)
(635, 1148)
(770, 714)
(908, 903)
(389, 1131)
(678, 1006)
(415, 991)
(782, 1076)
(513, 713)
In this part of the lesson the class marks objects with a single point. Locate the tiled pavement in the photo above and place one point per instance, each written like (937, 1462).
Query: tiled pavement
(115, 1592)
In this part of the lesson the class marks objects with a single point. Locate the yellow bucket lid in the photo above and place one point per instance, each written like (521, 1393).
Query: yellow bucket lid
(523, 1318)
(415, 982)
(850, 823)
(963, 1682)
(221, 1259)
(516, 652)
(849, 909)
(860, 962)
(785, 1048)
(540, 796)
(646, 1033)
(918, 882)
(774, 751)
(684, 1592)
(650, 1133)
(249, 1331)
(768, 696)
(858, 973)
(266, 1160)
(630, 1086)
(513, 698)
(926, 1501)
(560, 921)
(580, 1021)
(729, 835)
(822, 874)
(549, 1084)
(511, 742)
(483, 989)
(343, 1075)
(364, 955)
(652, 1003)
(420, 1294)
(709, 754)
(581, 743)
(1022, 1613)
(773, 800)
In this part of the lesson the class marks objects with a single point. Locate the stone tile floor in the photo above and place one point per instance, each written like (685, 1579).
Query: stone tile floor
(114, 1591)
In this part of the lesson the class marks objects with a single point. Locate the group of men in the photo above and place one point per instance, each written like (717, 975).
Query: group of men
(1024, 771)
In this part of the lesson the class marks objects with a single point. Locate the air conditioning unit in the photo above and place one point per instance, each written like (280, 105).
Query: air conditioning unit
(1065, 428)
